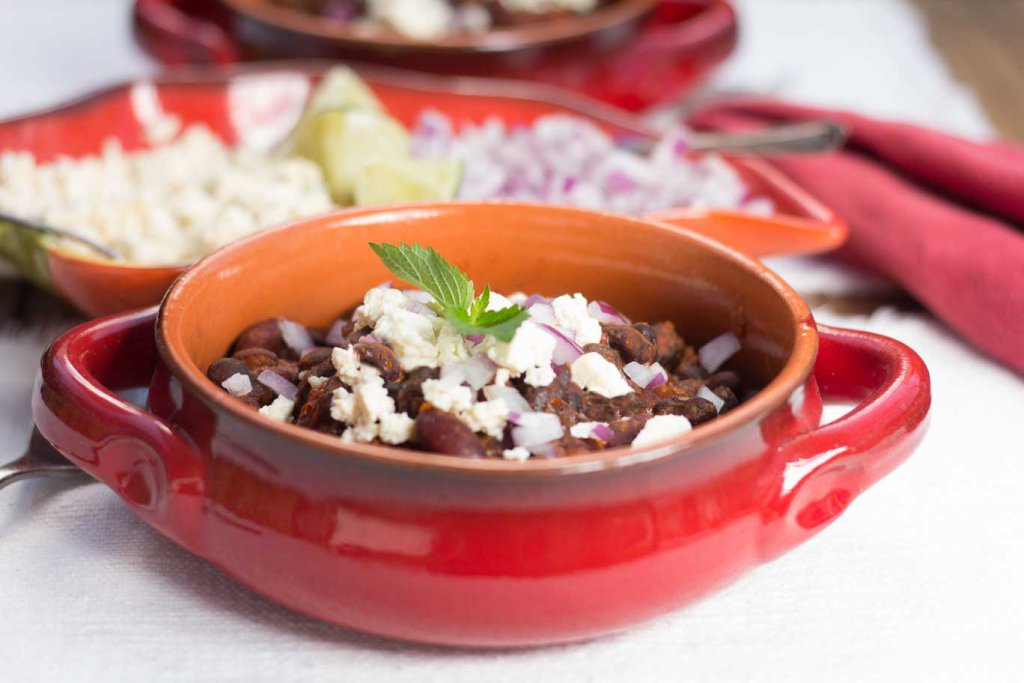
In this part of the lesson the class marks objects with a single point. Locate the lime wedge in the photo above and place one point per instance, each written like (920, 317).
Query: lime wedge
(397, 181)
(341, 88)
(341, 143)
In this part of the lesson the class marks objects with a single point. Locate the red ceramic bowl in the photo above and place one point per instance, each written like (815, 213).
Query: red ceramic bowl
(625, 54)
(217, 99)
(482, 552)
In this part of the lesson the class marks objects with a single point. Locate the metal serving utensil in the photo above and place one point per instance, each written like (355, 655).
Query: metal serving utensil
(40, 459)
(810, 137)
(36, 226)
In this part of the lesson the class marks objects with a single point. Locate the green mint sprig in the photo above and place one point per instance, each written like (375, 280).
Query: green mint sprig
(452, 291)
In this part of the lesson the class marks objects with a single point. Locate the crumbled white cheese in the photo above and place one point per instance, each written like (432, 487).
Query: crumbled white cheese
(517, 454)
(592, 372)
(411, 336)
(447, 396)
(662, 427)
(396, 428)
(372, 402)
(280, 409)
(584, 430)
(417, 19)
(496, 302)
(531, 347)
(540, 377)
(501, 377)
(343, 405)
(347, 364)
(377, 302)
(571, 314)
(488, 417)
(315, 381)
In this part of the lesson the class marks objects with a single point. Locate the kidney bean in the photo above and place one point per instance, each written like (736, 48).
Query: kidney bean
(624, 431)
(224, 368)
(689, 365)
(647, 331)
(441, 432)
(696, 410)
(669, 343)
(381, 357)
(408, 393)
(725, 378)
(257, 359)
(316, 409)
(314, 357)
(265, 334)
(606, 352)
(725, 393)
(631, 344)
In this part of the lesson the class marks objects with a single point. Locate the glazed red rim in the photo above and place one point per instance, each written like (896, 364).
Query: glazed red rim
(789, 379)
(547, 32)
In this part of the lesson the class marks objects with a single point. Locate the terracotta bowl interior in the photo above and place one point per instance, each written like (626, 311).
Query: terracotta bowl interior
(316, 269)
(532, 34)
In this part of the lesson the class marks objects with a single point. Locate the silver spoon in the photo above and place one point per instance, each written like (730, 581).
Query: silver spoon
(40, 459)
(811, 137)
(36, 226)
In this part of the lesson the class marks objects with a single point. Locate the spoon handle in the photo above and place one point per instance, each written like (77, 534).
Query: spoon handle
(40, 459)
(36, 226)
(811, 137)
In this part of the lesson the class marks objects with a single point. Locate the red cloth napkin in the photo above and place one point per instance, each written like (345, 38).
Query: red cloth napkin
(939, 215)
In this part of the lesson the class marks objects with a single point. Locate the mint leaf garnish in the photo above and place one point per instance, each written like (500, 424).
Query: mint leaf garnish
(452, 291)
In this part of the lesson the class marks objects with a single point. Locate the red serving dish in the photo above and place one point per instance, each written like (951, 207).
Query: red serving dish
(639, 59)
(482, 552)
(216, 98)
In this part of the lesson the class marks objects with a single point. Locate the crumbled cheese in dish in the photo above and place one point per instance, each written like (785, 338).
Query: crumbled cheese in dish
(315, 381)
(447, 396)
(531, 347)
(540, 376)
(501, 377)
(592, 372)
(662, 427)
(451, 346)
(280, 409)
(488, 417)
(170, 204)
(347, 364)
(367, 409)
(377, 302)
(343, 405)
(571, 314)
(238, 384)
(417, 19)
(396, 428)
(584, 430)
(411, 335)
(517, 454)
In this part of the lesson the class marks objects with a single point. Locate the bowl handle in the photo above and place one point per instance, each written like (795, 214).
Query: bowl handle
(184, 31)
(825, 469)
(138, 455)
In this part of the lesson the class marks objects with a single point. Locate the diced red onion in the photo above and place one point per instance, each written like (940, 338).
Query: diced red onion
(602, 432)
(720, 349)
(536, 299)
(296, 336)
(334, 335)
(706, 393)
(513, 399)
(369, 339)
(606, 313)
(536, 429)
(566, 348)
(646, 376)
(340, 10)
(541, 313)
(475, 339)
(658, 376)
(477, 371)
(384, 285)
(237, 384)
(278, 384)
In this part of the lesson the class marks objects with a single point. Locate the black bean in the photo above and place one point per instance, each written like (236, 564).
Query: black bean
(725, 393)
(631, 344)
(696, 410)
(314, 357)
(725, 378)
(265, 334)
(670, 344)
(408, 393)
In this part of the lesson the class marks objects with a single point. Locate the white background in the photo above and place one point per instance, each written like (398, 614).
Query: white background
(922, 579)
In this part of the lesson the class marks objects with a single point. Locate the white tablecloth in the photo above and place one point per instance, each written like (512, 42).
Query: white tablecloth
(919, 580)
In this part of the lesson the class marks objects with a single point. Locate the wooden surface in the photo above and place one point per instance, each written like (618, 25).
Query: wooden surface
(983, 41)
